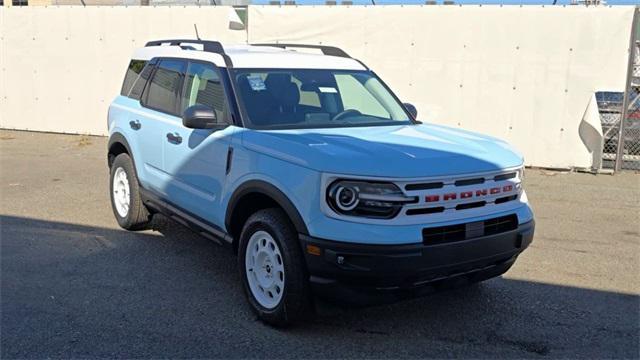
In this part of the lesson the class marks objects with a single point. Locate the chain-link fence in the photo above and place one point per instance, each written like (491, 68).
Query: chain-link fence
(610, 115)
(622, 150)
(610, 107)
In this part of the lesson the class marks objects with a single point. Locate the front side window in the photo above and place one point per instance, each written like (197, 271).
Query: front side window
(202, 86)
(162, 90)
(304, 98)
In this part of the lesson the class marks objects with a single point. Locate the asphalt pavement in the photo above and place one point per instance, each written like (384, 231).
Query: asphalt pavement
(74, 285)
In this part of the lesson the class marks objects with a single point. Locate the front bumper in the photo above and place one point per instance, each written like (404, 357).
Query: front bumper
(366, 274)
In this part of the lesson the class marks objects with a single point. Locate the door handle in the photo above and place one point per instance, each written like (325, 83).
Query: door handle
(135, 124)
(174, 138)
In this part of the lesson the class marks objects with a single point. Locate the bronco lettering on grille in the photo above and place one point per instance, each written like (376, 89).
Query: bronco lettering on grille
(469, 194)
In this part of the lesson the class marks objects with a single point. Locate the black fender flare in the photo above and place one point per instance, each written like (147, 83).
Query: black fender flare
(118, 138)
(265, 188)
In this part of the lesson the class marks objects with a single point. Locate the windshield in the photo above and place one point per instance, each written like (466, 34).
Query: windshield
(303, 98)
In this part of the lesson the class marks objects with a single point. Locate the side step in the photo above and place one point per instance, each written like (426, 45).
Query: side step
(182, 217)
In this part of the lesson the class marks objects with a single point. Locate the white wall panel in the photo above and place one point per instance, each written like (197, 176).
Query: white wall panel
(522, 73)
(525, 74)
(62, 66)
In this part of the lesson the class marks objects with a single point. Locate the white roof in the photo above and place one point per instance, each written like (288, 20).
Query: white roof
(252, 57)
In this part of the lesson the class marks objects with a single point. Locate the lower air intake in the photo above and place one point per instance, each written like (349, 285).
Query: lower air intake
(460, 232)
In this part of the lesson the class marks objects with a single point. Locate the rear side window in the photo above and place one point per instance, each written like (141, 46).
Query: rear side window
(135, 78)
(162, 91)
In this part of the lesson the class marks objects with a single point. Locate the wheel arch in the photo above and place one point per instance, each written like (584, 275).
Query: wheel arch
(118, 144)
(255, 195)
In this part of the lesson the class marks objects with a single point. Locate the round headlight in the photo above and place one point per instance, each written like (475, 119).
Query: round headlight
(346, 197)
(366, 198)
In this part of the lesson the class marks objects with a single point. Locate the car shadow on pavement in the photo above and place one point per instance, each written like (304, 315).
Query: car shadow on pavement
(71, 290)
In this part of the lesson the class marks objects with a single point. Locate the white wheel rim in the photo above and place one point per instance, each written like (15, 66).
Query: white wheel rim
(121, 192)
(264, 269)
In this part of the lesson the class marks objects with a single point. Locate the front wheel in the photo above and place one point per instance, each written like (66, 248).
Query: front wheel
(272, 268)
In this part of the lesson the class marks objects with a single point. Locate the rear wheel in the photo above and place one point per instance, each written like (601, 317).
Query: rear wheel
(126, 203)
(272, 268)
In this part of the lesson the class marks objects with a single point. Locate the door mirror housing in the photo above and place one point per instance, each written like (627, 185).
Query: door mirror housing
(411, 109)
(201, 117)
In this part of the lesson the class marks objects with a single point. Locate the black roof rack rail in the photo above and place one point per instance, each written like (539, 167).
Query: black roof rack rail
(326, 50)
(207, 45)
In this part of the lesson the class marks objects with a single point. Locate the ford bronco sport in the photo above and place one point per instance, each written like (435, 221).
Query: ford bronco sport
(308, 166)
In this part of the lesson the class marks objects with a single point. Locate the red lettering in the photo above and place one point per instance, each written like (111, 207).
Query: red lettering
(432, 198)
(466, 194)
(507, 188)
(495, 190)
(482, 192)
(451, 196)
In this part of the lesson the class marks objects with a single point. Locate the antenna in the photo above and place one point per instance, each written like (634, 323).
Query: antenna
(197, 35)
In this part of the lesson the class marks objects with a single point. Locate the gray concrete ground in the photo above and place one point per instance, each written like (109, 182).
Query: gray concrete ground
(75, 285)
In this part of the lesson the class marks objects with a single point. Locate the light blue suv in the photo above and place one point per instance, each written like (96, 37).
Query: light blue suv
(309, 167)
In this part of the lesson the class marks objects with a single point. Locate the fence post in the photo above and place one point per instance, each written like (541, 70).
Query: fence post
(627, 91)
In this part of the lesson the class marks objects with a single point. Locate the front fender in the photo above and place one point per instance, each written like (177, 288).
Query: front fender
(266, 188)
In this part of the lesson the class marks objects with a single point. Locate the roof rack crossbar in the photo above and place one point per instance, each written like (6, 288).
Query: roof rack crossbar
(326, 50)
(207, 45)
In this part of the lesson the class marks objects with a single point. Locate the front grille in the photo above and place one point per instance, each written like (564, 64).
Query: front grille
(471, 205)
(423, 211)
(503, 200)
(424, 186)
(438, 197)
(504, 176)
(467, 182)
(466, 231)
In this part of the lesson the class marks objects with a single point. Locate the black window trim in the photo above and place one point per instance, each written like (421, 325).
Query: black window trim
(122, 89)
(228, 113)
(234, 72)
(145, 93)
(234, 117)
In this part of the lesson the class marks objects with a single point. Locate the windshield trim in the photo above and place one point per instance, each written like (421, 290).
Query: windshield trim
(247, 123)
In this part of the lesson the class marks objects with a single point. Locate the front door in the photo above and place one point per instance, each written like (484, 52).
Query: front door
(196, 159)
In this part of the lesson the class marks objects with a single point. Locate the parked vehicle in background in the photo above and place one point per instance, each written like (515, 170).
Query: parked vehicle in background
(311, 169)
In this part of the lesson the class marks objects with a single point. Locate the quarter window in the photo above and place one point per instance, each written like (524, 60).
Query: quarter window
(203, 87)
(163, 88)
(134, 78)
(139, 85)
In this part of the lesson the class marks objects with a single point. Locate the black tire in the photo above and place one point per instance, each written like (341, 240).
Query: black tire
(296, 303)
(137, 217)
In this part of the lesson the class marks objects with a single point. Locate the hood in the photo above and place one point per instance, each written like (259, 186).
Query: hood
(386, 151)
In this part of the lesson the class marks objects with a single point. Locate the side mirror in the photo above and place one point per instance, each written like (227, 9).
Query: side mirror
(200, 117)
(412, 110)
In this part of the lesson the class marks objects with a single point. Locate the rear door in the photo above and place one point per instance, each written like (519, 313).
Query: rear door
(131, 115)
(196, 159)
(159, 113)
